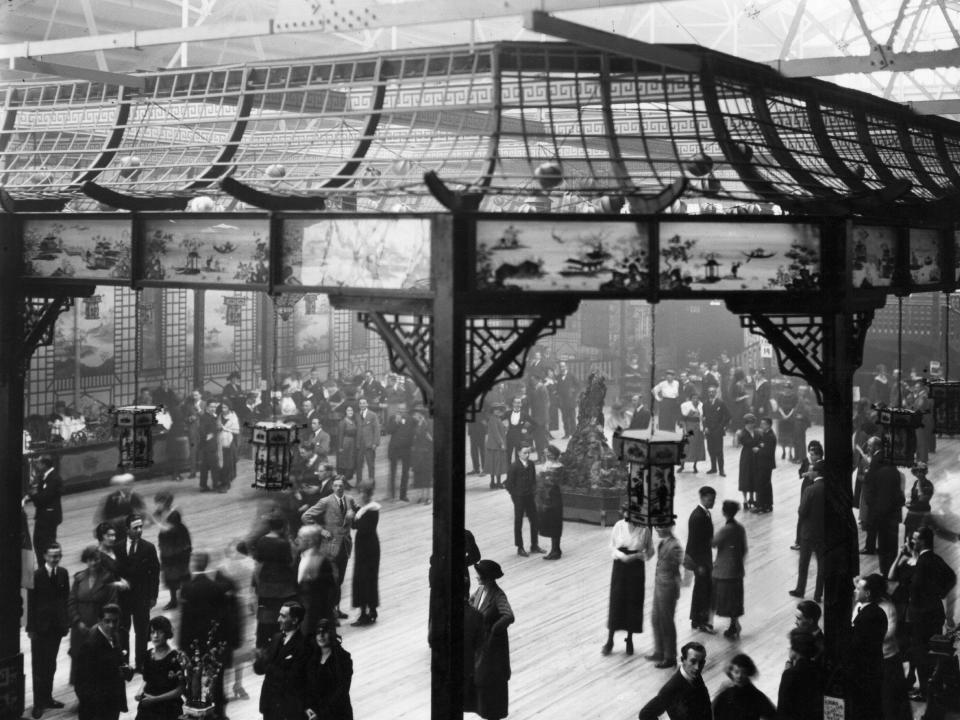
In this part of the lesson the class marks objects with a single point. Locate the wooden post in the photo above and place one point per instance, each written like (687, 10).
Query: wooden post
(446, 563)
(11, 457)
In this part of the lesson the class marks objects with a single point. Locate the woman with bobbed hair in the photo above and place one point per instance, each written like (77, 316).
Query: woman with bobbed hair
(728, 568)
(160, 696)
(741, 700)
(93, 587)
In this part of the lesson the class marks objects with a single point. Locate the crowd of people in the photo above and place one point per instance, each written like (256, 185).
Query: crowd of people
(304, 537)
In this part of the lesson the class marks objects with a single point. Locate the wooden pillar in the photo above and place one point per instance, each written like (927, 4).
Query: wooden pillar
(841, 558)
(11, 457)
(446, 562)
(199, 298)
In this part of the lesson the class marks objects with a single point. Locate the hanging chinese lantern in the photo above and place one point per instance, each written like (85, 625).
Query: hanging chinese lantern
(651, 481)
(135, 423)
(91, 307)
(898, 432)
(273, 442)
(310, 304)
(146, 313)
(945, 395)
(234, 307)
(285, 303)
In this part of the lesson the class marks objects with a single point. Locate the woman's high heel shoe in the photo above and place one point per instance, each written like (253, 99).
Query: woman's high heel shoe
(607, 648)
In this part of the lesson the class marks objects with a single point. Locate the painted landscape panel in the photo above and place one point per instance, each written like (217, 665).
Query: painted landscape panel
(874, 256)
(719, 257)
(611, 256)
(206, 250)
(362, 252)
(76, 247)
(925, 261)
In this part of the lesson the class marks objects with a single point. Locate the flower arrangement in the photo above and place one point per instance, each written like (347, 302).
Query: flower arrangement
(200, 666)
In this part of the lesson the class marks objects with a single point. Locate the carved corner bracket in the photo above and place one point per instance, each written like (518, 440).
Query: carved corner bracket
(797, 341)
(409, 340)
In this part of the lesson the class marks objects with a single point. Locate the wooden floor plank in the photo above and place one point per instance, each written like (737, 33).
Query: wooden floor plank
(561, 607)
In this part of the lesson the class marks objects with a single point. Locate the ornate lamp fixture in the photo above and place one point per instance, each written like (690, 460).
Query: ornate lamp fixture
(91, 307)
(898, 425)
(234, 305)
(651, 481)
(135, 422)
(273, 440)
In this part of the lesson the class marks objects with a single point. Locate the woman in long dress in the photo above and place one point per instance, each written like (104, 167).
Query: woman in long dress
(366, 559)
(495, 458)
(631, 546)
(317, 579)
(742, 700)
(492, 667)
(92, 588)
(691, 423)
(159, 697)
(329, 674)
(738, 401)
(728, 569)
(785, 415)
(347, 453)
(174, 545)
(421, 455)
(749, 441)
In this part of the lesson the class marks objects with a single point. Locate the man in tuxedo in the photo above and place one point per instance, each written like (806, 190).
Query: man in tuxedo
(335, 513)
(400, 427)
(101, 670)
(932, 580)
(47, 623)
(812, 536)
(522, 485)
(45, 494)
(685, 694)
(141, 570)
(716, 418)
(865, 649)
(368, 439)
(283, 663)
(568, 390)
(518, 427)
(699, 554)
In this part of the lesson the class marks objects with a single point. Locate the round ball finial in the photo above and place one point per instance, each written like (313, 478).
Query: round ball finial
(276, 171)
(130, 166)
(549, 175)
(202, 203)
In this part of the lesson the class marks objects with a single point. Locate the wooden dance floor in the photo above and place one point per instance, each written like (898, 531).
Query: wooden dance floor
(560, 607)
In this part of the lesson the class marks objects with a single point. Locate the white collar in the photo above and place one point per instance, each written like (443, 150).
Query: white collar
(686, 676)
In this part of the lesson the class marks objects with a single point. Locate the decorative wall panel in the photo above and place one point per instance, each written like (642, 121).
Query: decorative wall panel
(77, 247)
(374, 252)
(874, 256)
(716, 257)
(219, 249)
(925, 258)
(562, 256)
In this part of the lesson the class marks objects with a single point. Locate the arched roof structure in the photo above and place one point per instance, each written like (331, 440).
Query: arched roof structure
(361, 131)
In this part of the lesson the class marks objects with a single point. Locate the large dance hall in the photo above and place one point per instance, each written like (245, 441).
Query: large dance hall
(564, 266)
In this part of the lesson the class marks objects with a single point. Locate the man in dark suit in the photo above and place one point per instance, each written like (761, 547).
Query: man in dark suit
(865, 649)
(684, 696)
(208, 602)
(812, 537)
(881, 504)
(400, 427)
(477, 432)
(522, 485)
(283, 663)
(640, 415)
(368, 439)
(761, 394)
(45, 494)
(716, 418)
(141, 570)
(518, 427)
(699, 554)
(101, 670)
(801, 688)
(568, 390)
(47, 623)
(932, 580)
